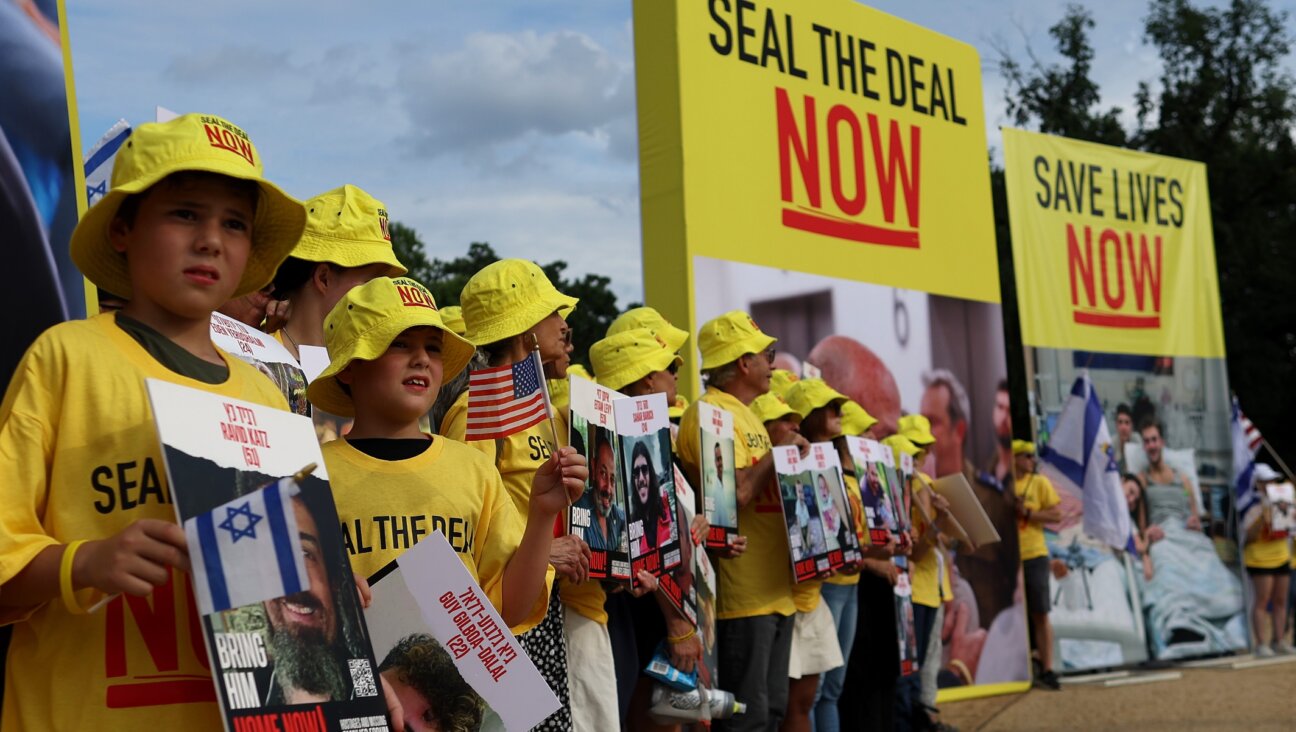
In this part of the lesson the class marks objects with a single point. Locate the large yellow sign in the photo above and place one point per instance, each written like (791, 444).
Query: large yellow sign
(820, 136)
(1112, 248)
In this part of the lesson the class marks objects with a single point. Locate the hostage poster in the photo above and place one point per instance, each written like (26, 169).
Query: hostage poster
(643, 434)
(812, 548)
(719, 480)
(599, 515)
(303, 658)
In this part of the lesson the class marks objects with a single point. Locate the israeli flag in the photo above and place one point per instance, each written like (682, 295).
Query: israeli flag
(248, 550)
(1079, 458)
(1246, 443)
(99, 161)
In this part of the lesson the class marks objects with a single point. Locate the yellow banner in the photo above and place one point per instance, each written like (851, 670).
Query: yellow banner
(1112, 248)
(820, 136)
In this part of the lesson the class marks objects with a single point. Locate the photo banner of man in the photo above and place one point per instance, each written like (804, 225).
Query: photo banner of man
(647, 471)
(302, 659)
(872, 458)
(446, 652)
(599, 515)
(719, 484)
(834, 508)
(1113, 248)
(1117, 282)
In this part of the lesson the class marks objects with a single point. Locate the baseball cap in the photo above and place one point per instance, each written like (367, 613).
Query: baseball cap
(770, 406)
(348, 227)
(781, 380)
(854, 420)
(807, 395)
(628, 356)
(1264, 472)
(1023, 447)
(646, 317)
(916, 429)
(452, 316)
(362, 327)
(192, 142)
(676, 410)
(507, 297)
(901, 444)
(729, 337)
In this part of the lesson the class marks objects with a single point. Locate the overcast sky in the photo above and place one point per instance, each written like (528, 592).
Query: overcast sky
(510, 122)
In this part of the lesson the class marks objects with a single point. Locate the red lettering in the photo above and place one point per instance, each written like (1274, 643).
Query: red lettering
(836, 116)
(1113, 301)
(1145, 269)
(897, 169)
(1145, 274)
(807, 151)
(1083, 263)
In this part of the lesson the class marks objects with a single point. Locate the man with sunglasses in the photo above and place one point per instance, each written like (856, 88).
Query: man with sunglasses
(755, 609)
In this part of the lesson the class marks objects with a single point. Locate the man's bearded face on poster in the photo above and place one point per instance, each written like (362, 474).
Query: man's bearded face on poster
(304, 627)
(604, 479)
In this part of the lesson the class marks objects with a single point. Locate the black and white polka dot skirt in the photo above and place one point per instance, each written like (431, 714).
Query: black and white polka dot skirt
(547, 648)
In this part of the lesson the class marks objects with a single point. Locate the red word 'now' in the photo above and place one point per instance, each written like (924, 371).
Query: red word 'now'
(1119, 259)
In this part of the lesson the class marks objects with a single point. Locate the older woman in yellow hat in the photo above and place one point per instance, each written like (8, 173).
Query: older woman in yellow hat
(510, 308)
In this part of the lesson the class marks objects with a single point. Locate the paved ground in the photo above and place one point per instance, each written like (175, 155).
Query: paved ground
(1254, 700)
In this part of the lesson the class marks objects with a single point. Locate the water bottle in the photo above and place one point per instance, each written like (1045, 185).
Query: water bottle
(700, 704)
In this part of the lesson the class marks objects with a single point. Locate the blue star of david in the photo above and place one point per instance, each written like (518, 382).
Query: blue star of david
(249, 530)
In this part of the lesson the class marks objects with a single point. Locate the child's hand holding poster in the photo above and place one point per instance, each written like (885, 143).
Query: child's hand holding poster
(599, 516)
(643, 432)
(719, 479)
(300, 657)
(446, 653)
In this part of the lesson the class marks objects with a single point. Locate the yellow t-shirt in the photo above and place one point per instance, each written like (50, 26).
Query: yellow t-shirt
(923, 573)
(1266, 553)
(387, 506)
(760, 581)
(806, 595)
(1036, 494)
(857, 512)
(80, 459)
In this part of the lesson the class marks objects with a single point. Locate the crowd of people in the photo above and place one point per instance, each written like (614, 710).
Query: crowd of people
(191, 226)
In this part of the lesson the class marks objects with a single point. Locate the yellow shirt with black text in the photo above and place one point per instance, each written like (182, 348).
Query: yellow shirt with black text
(80, 459)
(1036, 494)
(759, 582)
(386, 506)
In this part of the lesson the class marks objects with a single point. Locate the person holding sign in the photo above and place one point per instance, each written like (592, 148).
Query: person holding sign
(1267, 555)
(1037, 504)
(189, 223)
(347, 242)
(815, 649)
(755, 606)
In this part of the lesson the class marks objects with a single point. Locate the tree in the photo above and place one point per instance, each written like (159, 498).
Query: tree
(1223, 99)
(446, 280)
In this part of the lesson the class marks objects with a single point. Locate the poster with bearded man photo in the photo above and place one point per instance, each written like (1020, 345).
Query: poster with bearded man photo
(302, 659)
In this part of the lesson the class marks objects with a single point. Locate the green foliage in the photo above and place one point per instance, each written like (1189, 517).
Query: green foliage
(1224, 99)
(446, 280)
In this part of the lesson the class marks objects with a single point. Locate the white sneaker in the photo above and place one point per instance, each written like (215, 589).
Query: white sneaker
(1264, 651)
(1286, 648)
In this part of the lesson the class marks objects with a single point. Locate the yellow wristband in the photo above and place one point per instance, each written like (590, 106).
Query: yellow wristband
(66, 589)
(681, 638)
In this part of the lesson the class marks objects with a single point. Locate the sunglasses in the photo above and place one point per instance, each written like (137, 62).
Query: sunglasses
(641, 470)
(768, 353)
(673, 369)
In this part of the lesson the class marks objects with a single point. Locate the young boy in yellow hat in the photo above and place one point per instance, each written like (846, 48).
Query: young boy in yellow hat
(347, 242)
(393, 483)
(85, 512)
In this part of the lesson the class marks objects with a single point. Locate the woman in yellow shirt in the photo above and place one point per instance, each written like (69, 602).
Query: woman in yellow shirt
(1267, 556)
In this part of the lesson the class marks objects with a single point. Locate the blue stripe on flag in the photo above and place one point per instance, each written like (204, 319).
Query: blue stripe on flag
(212, 562)
(107, 151)
(282, 542)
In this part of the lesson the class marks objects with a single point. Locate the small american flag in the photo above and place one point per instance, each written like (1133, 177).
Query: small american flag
(506, 399)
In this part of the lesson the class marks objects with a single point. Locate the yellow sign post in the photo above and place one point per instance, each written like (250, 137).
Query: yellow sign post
(1112, 248)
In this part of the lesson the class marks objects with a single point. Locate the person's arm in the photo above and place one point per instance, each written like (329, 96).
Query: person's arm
(1194, 518)
(560, 480)
(682, 642)
(133, 562)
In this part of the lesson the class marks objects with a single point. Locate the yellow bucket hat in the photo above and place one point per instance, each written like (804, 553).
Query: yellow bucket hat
(727, 338)
(676, 410)
(781, 380)
(901, 444)
(192, 142)
(1022, 447)
(364, 323)
(349, 228)
(916, 429)
(507, 297)
(560, 389)
(646, 317)
(807, 395)
(629, 356)
(452, 316)
(770, 406)
(854, 420)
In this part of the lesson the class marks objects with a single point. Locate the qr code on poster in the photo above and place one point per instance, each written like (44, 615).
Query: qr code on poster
(362, 677)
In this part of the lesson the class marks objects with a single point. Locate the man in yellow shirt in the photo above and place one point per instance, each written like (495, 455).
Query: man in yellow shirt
(755, 607)
(1037, 504)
